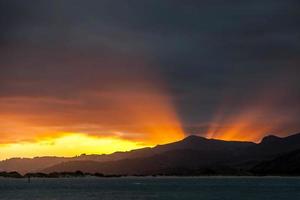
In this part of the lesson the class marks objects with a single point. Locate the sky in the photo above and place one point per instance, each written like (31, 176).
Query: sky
(100, 76)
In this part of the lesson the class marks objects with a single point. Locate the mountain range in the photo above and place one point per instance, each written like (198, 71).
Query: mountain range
(193, 155)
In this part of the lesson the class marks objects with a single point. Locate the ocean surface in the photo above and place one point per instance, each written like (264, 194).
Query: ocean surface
(206, 188)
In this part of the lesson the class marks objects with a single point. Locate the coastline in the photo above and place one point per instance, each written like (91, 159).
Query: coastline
(64, 175)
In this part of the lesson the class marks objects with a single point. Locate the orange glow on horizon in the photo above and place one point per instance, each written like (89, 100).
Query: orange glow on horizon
(68, 145)
(133, 111)
(255, 115)
(245, 126)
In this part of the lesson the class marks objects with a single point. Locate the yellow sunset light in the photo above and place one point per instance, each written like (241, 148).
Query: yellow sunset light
(67, 145)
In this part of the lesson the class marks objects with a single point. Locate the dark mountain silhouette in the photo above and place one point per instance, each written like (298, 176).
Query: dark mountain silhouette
(286, 164)
(26, 165)
(272, 145)
(191, 156)
(169, 155)
(203, 144)
(158, 164)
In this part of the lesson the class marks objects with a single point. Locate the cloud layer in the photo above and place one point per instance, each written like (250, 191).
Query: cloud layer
(149, 71)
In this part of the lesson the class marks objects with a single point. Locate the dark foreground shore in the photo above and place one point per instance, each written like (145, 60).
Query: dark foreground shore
(79, 174)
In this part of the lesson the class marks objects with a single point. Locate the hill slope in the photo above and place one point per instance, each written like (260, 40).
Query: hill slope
(192, 155)
(286, 164)
(25, 165)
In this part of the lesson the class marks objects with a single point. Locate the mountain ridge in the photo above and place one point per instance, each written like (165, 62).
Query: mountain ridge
(193, 153)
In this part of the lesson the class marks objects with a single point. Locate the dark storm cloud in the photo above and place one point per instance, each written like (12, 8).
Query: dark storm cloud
(206, 51)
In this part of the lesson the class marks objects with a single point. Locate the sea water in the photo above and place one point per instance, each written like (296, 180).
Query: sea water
(198, 188)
